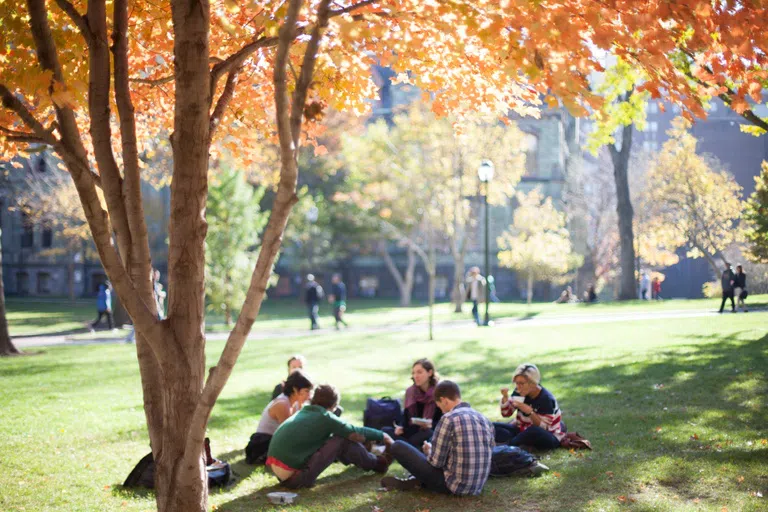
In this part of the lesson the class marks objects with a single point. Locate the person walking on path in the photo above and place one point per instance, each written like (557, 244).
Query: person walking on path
(104, 306)
(313, 295)
(338, 298)
(645, 287)
(458, 460)
(159, 296)
(727, 280)
(740, 288)
(656, 288)
(476, 291)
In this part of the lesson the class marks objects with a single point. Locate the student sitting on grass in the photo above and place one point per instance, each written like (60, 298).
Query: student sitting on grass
(296, 390)
(297, 362)
(458, 461)
(538, 420)
(312, 439)
(419, 403)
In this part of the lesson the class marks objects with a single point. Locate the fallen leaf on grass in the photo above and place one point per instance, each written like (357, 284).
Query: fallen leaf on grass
(609, 474)
(695, 437)
(556, 474)
(622, 499)
(724, 509)
(757, 494)
(659, 429)
(696, 500)
(106, 487)
(764, 441)
(740, 479)
(377, 509)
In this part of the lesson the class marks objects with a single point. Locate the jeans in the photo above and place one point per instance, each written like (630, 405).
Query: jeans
(476, 312)
(415, 462)
(98, 319)
(506, 433)
(728, 295)
(313, 310)
(415, 438)
(336, 448)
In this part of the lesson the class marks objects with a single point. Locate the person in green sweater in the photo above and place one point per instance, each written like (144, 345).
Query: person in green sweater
(305, 444)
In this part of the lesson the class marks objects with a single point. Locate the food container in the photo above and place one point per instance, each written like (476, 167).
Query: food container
(282, 498)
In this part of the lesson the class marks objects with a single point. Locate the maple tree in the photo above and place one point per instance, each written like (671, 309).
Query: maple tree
(691, 201)
(537, 244)
(98, 87)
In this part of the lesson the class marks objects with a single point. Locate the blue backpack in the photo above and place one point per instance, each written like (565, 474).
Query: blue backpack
(382, 412)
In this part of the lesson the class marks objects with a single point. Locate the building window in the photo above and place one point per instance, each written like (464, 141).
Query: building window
(531, 148)
(441, 287)
(47, 240)
(28, 233)
(22, 283)
(43, 283)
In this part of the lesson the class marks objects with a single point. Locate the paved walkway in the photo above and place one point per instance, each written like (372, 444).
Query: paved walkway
(533, 321)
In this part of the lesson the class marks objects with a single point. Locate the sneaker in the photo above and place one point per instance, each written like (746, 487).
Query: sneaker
(537, 468)
(401, 484)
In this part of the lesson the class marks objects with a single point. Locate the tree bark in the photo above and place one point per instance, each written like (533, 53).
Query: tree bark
(620, 157)
(404, 281)
(530, 287)
(6, 345)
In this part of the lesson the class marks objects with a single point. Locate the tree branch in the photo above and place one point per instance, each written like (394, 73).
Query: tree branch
(77, 18)
(353, 7)
(224, 99)
(238, 58)
(154, 82)
(307, 70)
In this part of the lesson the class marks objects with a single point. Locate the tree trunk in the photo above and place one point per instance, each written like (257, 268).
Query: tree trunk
(6, 345)
(620, 157)
(530, 287)
(404, 282)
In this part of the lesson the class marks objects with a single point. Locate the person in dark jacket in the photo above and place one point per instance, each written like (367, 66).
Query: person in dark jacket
(338, 298)
(104, 305)
(740, 288)
(312, 297)
(727, 280)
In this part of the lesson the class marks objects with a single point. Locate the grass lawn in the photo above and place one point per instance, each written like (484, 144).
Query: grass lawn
(676, 411)
(46, 316)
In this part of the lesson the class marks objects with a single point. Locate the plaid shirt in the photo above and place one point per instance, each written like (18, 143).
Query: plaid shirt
(461, 447)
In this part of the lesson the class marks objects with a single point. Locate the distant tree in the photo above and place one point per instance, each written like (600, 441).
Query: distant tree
(756, 217)
(235, 223)
(537, 245)
(419, 177)
(691, 201)
(7, 347)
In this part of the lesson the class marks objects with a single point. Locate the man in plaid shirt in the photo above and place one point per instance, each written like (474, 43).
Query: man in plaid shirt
(459, 458)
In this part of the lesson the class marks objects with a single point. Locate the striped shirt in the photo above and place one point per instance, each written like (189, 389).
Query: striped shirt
(544, 405)
(461, 447)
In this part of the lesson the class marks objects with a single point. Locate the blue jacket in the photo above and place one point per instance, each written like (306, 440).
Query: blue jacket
(104, 299)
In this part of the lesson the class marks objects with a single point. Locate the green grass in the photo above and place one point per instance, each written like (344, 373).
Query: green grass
(675, 409)
(46, 316)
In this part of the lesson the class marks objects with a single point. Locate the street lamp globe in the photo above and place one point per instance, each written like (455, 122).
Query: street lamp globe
(485, 171)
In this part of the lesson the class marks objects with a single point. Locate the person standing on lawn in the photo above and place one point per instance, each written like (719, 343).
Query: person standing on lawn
(305, 444)
(104, 306)
(458, 460)
(475, 286)
(338, 298)
(313, 295)
(538, 421)
(740, 288)
(727, 280)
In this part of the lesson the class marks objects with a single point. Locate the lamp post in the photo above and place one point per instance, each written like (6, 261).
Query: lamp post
(485, 173)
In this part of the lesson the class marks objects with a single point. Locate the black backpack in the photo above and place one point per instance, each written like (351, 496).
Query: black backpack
(382, 412)
(511, 460)
(143, 475)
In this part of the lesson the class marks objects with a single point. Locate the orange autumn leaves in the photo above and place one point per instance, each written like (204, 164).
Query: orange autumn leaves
(487, 55)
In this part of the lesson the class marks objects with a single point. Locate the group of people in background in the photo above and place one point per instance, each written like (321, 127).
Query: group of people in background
(650, 289)
(734, 285)
(445, 445)
(313, 295)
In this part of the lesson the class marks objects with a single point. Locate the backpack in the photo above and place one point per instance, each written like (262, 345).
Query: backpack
(382, 412)
(511, 460)
(143, 475)
(256, 451)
